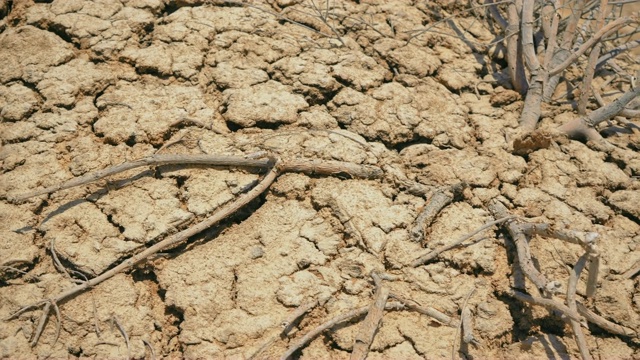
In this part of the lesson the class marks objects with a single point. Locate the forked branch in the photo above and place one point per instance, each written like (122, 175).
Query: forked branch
(274, 166)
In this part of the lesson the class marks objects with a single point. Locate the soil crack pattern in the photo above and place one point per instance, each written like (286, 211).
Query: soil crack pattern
(313, 179)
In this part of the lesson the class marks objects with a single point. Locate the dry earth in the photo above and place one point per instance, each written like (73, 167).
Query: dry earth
(89, 84)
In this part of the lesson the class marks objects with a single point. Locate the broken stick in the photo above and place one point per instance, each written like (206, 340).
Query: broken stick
(369, 326)
(274, 165)
(294, 165)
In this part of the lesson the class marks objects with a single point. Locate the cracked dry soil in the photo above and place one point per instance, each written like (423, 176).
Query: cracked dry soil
(89, 84)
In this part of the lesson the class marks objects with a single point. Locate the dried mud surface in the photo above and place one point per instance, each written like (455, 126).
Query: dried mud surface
(89, 84)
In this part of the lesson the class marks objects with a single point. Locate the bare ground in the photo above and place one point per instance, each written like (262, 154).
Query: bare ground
(89, 84)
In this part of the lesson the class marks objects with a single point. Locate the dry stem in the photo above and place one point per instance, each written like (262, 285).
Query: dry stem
(604, 323)
(522, 245)
(331, 323)
(584, 127)
(571, 302)
(548, 303)
(429, 311)
(276, 167)
(605, 31)
(295, 165)
(433, 254)
(162, 245)
(369, 326)
(591, 64)
(438, 201)
(287, 325)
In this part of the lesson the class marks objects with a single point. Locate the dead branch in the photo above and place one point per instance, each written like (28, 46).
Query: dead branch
(295, 165)
(591, 64)
(604, 323)
(571, 302)
(153, 160)
(429, 311)
(287, 326)
(531, 111)
(605, 31)
(496, 15)
(617, 51)
(626, 112)
(522, 247)
(171, 241)
(585, 239)
(548, 303)
(465, 324)
(564, 50)
(552, 35)
(328, 167)
(438, 201)
(594, 269)
(331, 323)
(632, 271)
(276, 167)
(514, 50)
(584, 127)
(398, 178)
(151, 350)
(369, 326)
(433, 254)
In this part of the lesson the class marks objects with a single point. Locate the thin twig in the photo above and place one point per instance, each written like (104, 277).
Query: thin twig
(632, 271)
(151, 350)
(124, 334)
(157, 159)
(604, 323)
(552, 40)
(571, 302)
(331, 323)
(591, 64)
(41, 323)
(164, 244)
(433, 254)
(605, 31)
(522, 246)
(301, 310)
(464, 323)
(429, 311)
(56, 310)
(548, 303)
(96, 324)
(287, 326)
(293, 165)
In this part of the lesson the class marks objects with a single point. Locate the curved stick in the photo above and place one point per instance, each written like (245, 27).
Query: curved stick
(162, 245)
(294, 165)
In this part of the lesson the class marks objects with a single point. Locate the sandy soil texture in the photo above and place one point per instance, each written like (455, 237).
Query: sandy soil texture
(88, 84)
